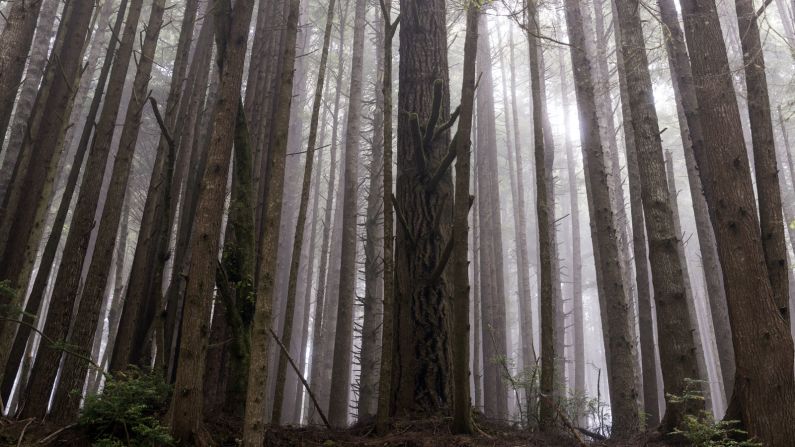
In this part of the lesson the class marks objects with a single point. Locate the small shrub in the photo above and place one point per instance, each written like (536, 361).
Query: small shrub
(704, 431)
(126, 412)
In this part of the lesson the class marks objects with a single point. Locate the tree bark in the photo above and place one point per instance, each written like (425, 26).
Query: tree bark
(615, 310)
(765, 387)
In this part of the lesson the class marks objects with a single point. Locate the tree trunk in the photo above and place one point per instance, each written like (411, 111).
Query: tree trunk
(186, 406)
(67, 403)
(763, 347)
(421, 361)
(685, 94)
(619, 342)
(765, 165)
(39, 50)
(678, 353)
(341, 367)
(77, 250)
(254, 423)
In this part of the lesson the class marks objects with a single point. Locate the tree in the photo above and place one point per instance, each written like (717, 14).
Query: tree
(462, 418)
(615, 306)
(678, 357)
(765, 387)
(186, 405)
(341, 367)
(254, 423)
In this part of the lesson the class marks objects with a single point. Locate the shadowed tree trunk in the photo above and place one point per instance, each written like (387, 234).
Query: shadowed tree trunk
(765, 387)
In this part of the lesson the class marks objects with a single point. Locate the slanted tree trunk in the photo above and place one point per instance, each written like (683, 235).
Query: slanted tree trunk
(678, 354)
(186, 409)
(343, 335)
(462, 408)
(39, 50)
(763, 348)
(15, 44)
(254, 423)
(764, 149)
(67, 402)
(691, 122)
(615, 306)
(76, 250)
(154, 223)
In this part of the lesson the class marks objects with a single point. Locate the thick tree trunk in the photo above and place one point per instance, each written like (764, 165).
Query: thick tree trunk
(343, 336)
(678, 354)
(254, 423)
(615, 310)
(691, 122)
(76, 250)
(186, 406)
(763, 348)
(421, 362)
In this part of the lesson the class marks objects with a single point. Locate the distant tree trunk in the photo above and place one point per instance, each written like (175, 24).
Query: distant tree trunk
(421, 375)
(765, 165)
(685, 94)
(520, 222)
(254, 423)
(40, 151)
(154, 223)
(15, 44)
(186, 409)
(462, 407)
(39, 50)
(67, 402)
(615, 307)
(373, 250)
(477, 348)
(765, 388)
(76, 250)
(576, 255)
(388, 339)
(301, 221)
(343, 335)
(678, 354)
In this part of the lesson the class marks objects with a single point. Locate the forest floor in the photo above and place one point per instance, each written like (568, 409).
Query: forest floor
(426, 433)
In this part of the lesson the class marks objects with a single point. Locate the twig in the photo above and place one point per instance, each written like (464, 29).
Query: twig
(22, 435)
(55, 433)
(301, 376)
(161, 123)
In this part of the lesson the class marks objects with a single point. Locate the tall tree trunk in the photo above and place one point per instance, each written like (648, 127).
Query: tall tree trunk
(186, 410)
(154, 223)
(77, 250)
(615, 306)
(763, 348)
(341, 367)
(690, 121)
(39, 50)
(301, 221)
(40, 151)
(254, 423)
(67, 402)
(462, 408)
(678, 354)
(15, 44)
(765, 165)
(421, 361)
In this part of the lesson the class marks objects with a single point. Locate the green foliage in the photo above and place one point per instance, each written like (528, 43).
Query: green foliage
(126, 413)
(703, 430)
